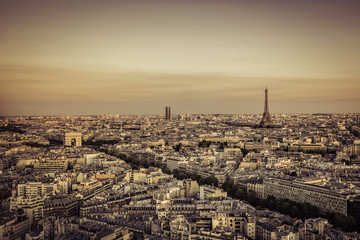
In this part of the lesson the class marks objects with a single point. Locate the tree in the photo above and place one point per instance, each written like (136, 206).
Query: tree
(270, 202)
(305, 209)
(294, 211)
(175, 172)
(252, 199)
(223, 145)
(204, 144)
(240, 194)
(177, 147)
(345, 223)
(244, 151)
(5, 193)
(227, 185)
(314, 211)
(181, 175)
(165, 169)
(194, 176)
(201, 181)
(143, 163)
(211, 180)
(234, 188)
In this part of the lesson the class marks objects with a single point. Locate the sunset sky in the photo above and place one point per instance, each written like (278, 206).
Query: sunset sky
(200, 56)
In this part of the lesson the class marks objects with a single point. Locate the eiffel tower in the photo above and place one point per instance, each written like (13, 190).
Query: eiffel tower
(266, 120)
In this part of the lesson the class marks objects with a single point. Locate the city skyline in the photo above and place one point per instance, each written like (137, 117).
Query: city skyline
(135, 57)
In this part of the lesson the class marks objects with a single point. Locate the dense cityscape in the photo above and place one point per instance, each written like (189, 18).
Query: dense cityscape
(179, 120)
(184, 176)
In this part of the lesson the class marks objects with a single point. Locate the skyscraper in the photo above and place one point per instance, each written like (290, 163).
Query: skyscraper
(167, 113)
(266, 120)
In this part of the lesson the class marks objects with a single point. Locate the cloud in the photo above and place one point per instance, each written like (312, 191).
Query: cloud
(43, 89)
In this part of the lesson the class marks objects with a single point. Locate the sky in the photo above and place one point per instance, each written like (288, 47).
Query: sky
(84, 57)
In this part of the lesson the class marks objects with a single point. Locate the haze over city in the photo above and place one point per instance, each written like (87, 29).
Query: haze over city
(168, 119)
(135, 57)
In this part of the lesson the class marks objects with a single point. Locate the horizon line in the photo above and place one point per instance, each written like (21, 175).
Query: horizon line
(173, 114)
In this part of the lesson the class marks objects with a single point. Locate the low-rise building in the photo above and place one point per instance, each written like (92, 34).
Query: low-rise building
(32, 206)
(14, 227)
(207, 192)
(326, 200)
(35, 189)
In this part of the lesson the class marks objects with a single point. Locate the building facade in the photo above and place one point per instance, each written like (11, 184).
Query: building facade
(325, 199)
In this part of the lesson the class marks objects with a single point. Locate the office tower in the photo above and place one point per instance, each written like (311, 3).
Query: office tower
(167, 113)
(266, 120)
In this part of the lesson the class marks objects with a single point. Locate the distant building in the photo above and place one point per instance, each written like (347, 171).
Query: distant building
(327, 200)
(256, 184)
(241, 222)
(179, 228)
(14, 227)
(167, 113)
(266, 120)
(143, 176)
(35, 189)
(35, 235)
(191, 188)
(136, 177)
(207, 192)
(73, 139)
(173, 163)
(92, 159)
(273, 229)
(307, 147)
(61, 206)
(32, 206)
(51, 165)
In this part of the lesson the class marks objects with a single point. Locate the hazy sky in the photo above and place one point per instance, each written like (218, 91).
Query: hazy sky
(198, 56)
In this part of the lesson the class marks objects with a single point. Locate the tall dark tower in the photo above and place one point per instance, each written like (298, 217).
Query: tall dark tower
(167, 113)
(266, 120)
